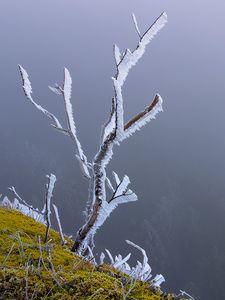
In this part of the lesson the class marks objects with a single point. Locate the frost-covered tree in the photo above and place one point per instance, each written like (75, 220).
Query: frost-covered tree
(99, 205)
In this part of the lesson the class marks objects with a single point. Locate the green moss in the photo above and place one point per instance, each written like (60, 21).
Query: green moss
(30, 269)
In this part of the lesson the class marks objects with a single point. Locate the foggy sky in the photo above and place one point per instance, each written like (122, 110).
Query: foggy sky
(176, 163)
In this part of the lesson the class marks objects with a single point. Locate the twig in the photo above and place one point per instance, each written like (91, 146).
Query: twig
(10, 251)
(53, 269)
(26, 279)
(41, 259)
(12, 188)
(133, 282)
(95, 293)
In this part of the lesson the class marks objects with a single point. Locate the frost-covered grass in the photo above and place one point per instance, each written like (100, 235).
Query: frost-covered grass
(30, 269)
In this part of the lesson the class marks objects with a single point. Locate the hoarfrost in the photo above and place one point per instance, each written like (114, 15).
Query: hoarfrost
(28, 91)
(142, 271)
(59, 224)
(136, 25)
(71, 131)
(114, 132)
(117, 54)
(49, 190)
(26, 210)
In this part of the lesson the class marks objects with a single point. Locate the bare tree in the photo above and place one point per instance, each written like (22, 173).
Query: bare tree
(99, 207)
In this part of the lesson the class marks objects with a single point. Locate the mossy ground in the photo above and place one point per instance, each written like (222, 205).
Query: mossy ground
(30, 269)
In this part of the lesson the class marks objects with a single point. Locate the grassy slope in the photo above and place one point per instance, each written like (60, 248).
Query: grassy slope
(60, 274)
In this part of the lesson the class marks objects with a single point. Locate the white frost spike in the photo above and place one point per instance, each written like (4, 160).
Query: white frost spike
(26, 82)
(59, 224)
(128, 197)
(102, 257)
(117, 54)
(119, 113)
(26, 210)
(6, 202)
(116, 177)
(28, 90)
(109, 184)
(67, 90)
(25, 204)
(122, 194)
(91, 255)
(121, 261)
(49, 186)
(154, 29)
(109, 127)
(158, 280)
(110, 256)
(145, 258)
(142, 271)
(136, 25)
(122, 187)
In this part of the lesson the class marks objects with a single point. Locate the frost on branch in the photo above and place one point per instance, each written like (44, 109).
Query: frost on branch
(59, 224)
(136, 25)
(49, 190)
(71, 130)
(40, 216)
(142, 118)
(67, 90)
(28, 210)
(142, 271)
(28, 92)
(183, 293)
(99, 204)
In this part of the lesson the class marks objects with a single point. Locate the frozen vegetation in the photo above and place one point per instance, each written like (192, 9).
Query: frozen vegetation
(105, 194)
